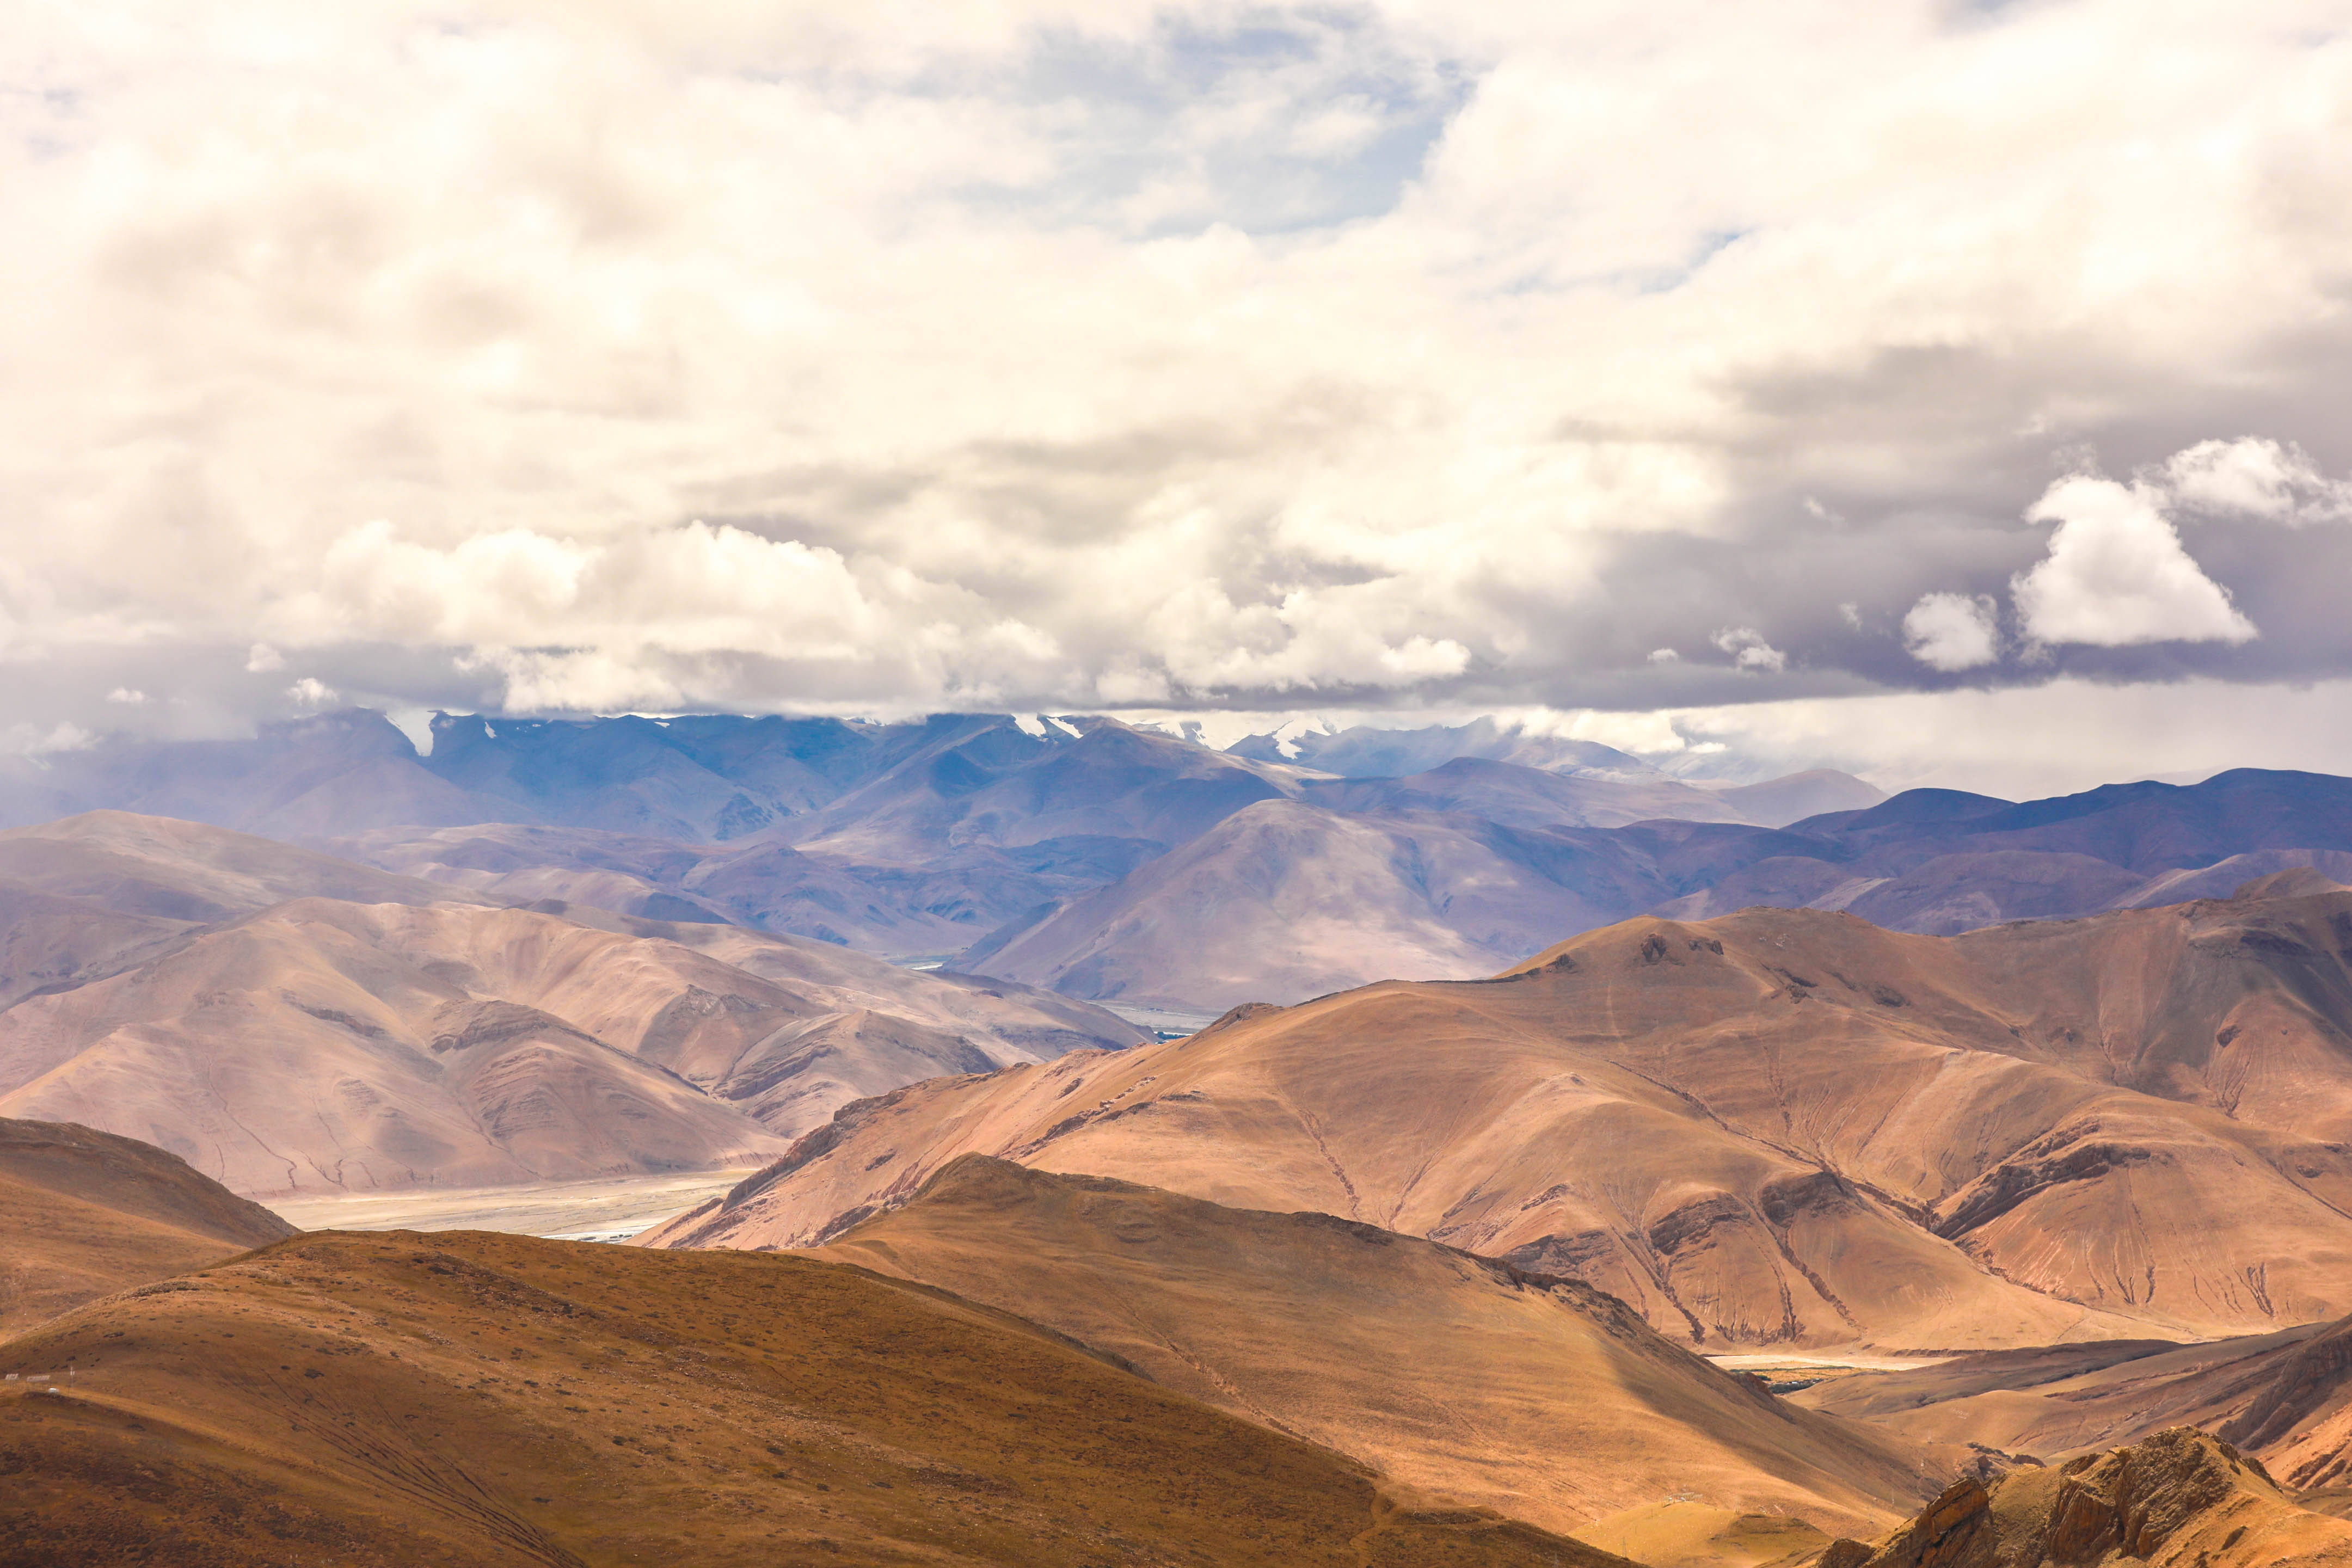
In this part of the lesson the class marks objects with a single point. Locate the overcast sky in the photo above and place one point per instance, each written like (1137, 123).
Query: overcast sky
(1956, 392)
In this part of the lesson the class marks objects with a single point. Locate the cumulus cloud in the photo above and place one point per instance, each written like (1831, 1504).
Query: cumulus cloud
(2254, 477)
(312, 692)
(2117, 574)
(1952, 631)
(1054, 357)
(1749, 651)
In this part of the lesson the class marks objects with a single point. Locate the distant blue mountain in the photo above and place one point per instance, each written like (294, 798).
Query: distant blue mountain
(1094, 855)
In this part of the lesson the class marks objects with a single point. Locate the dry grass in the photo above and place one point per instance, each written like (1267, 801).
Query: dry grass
(475, 1398)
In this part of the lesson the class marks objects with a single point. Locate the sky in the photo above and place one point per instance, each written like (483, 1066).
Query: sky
(1953, 393)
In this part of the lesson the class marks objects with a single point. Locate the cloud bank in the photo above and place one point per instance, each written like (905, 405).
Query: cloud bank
(1618, 358)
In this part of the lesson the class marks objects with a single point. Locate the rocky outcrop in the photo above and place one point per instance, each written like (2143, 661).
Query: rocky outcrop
(2182, 1496)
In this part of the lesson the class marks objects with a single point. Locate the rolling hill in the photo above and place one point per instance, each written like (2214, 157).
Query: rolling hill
(391, 1033)
(1453, 1374)
(476, 1399)
(86, 1214)
(1777, 1127)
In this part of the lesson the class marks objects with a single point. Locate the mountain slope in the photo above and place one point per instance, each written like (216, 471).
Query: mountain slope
(2284, 1399)
(755, 880)
(2180, 1497)
(1354, 880)
(1544, 1400)
(86, 1214)
(1777, 1127)
(1517, 796)
(164, 868)
(323, 1045)
(1285, 899)
(493, 1399)
(82, 897)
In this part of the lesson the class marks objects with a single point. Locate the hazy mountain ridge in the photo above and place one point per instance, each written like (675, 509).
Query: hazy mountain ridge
(397, 1032)
(1113, 861)
(918, 839)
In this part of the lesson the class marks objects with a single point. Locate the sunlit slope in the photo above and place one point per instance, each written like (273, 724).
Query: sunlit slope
(85, 1214)
(2179, 1497)
(1778, 1128)
(1543, 1399)
(467, 1399)
(325, 1045)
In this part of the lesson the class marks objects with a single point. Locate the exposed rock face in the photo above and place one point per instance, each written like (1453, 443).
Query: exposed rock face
(2182, 1496)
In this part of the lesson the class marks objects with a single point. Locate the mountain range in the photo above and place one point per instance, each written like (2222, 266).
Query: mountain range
(472, 1399)
(289, 1023)
(1777, 1127)
(1412, 1274)
(1245, 1387)
(1120, 864)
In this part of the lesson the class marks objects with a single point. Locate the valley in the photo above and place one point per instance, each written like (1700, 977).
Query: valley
(609, 1208)
(1722, 1190)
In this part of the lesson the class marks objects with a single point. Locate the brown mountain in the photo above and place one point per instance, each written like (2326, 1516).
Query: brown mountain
(474, 1399)
(1452, 1373)
(323, 1045)
(1288, 899)
(1464, 868)
(86, 1214)
(1777, 1127)
(2180, 1497)
(82, 896)
(2285, 1397)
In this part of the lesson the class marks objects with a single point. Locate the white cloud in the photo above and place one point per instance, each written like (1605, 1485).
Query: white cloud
(1749, 651)
(129, 695)
(35, 740)
(2117, 574)
(1663, 655)
(1952, 632)
(312, 692)
(2254, 477)
(2024, 742)
(1055, 355)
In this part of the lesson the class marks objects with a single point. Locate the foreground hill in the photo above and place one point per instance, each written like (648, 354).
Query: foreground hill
(1455, 1375)
(385, 1036)
(2180, 1497)
(474, 1399)
(86, 1214)
(1777, 1127)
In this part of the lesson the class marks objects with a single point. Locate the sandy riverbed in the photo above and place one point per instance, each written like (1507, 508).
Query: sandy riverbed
(608, 1210)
